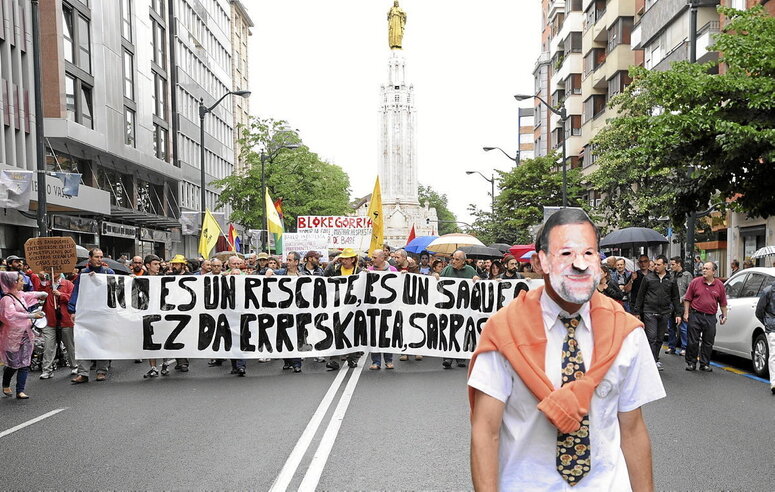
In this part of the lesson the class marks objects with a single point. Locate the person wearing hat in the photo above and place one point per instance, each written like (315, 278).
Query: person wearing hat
(92, 267)
(178, 265)
(311, 264)
(16, 264)
(152, 266)
(263, 264)
(343, 265)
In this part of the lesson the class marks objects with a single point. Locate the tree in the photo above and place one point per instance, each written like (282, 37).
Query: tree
(524, 191)
(685, 138)
(307, 184)
(447, 220)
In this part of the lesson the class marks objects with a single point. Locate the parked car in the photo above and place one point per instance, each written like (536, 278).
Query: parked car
(743, 335)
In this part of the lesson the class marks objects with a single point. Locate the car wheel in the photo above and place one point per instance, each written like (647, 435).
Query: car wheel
(759, 355)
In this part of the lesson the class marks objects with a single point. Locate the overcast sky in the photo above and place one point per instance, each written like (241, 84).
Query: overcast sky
(319, 64)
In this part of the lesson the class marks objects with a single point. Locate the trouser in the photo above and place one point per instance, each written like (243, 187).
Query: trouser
(459, 361)
(676, 335)
(656, 326)
(294, 362)
(351, 357)
(771, 341)
(376, 358)
(701, 325)
(237, 364)
(50, 346)
(85, 365)
(180, 362)
(21, 377)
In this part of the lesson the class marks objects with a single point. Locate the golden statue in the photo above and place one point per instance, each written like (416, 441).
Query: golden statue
(396, 22)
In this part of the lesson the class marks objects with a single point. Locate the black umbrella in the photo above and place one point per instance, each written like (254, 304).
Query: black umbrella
(502, 247)
(116, 266)
(481, 253)
(633, 237)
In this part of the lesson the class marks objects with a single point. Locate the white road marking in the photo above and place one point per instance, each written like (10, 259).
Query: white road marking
(292, 463)
(315, 470)
(30, 422)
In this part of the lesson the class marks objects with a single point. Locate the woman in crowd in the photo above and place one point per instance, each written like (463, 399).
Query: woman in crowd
(16, 335)
(607, 287)
(436, 267)
(496, 270)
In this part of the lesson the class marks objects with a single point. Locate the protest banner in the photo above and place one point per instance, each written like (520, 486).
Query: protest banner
(342, 231)
(301, 242)
(50, 253)
(247, 317)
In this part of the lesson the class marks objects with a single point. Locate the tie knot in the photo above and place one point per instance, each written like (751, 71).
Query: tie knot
(570, 323)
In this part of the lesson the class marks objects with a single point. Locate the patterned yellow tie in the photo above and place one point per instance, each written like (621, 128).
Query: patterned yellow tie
(573, 450)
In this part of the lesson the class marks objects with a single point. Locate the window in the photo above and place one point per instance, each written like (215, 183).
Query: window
(160, 142)
(159, 47)
(572, 6)
(84, 52)
(158, 7)
(573, 84)
(558, 97)
(735, 285)
(573, 126)
(618, 82)
(593, 106)
(86, 107)
(67, 33)
(753, 285)
(573, 43)
(129, 130)
(70, 97)
(126, 19)
(129, 77)
(159, 96)
(619, 33)
(592, 61)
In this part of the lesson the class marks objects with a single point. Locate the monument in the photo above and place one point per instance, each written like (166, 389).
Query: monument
(398, 147)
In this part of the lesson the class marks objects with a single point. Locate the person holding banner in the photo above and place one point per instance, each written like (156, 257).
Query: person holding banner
(312, 264)
(343, 265)
(84, 366)
(559, 377)
(292, 260)
(152, 264)
(380, 264)
(16, 335)
(458, 269)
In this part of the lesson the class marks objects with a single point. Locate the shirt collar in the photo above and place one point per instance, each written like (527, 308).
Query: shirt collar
(550, 310)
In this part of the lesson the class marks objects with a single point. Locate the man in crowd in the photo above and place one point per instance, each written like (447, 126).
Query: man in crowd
(94, 266)
(512, 269)
(311, 264)
(344, 265)
(216, 266)
(425, 267)
(587, 363)
(152, 264)
(734, 267)
(765, 312)
(16, 264)
(637, 277)
(292, 261)
(677, 333)
(380, 264)
(205, 267)
(623, 279)
(59, 325)
(657, 301)
(458, 269)
(701, 302)
(178, 265)
(136, 266)
(263, 263)
(402, 262)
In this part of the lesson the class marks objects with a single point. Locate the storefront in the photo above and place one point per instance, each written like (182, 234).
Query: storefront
(753, 238)
(154, 242)
(117, 240)
(83, 230)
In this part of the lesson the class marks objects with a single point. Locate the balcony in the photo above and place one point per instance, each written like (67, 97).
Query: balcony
(705, 38)
(556, 7)
(573, 63)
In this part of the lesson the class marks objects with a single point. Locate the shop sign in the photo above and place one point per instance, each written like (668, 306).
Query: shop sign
(118, 230)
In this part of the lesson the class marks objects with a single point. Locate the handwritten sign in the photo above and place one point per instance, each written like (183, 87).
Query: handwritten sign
(47, 253)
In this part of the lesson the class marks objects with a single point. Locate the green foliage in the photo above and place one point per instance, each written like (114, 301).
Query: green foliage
(686, 138)
(447, 220)
(307, 184)
(524, 191)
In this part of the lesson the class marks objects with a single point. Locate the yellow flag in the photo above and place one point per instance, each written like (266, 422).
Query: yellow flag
(210, 233)
(274, 224)
(375, 214)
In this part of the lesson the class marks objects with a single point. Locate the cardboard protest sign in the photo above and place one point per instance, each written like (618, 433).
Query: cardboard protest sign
(301, 242)
(342, 231)
(47, 253)
(247, 317)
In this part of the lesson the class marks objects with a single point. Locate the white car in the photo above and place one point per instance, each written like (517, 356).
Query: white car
(743, 334)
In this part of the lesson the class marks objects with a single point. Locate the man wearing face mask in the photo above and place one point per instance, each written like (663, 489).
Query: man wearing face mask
(59, 324)
(558, 378)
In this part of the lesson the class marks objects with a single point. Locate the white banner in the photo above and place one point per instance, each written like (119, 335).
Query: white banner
(342, 231)
(301, 242)
(247, 317)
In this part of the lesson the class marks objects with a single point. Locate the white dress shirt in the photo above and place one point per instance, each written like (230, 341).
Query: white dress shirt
(528, 440)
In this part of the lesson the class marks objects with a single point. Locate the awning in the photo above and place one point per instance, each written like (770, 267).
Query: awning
(143, 219)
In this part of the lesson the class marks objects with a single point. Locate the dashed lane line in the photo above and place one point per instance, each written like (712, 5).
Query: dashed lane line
(315, 470)
(292, 463)
(30, 422)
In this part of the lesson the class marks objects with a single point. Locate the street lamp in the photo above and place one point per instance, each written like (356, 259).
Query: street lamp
(492, 184)
(269, 157)
(203, 110)
(515, 159)
(563, 114)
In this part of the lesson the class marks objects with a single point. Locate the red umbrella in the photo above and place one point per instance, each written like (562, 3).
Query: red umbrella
(520, 249)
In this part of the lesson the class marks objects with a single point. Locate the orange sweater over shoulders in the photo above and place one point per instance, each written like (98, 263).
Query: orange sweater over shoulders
(517, 332)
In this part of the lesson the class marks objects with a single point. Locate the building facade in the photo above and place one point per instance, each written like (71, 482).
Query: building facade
(121, 86)
(240, 31)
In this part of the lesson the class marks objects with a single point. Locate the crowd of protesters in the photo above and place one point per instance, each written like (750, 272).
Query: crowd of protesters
(651, 292)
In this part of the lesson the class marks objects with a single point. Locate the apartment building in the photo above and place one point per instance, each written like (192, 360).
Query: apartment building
(526, 126)
(240, 31)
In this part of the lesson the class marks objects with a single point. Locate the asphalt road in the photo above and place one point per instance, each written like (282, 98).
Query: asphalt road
(405, 429)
